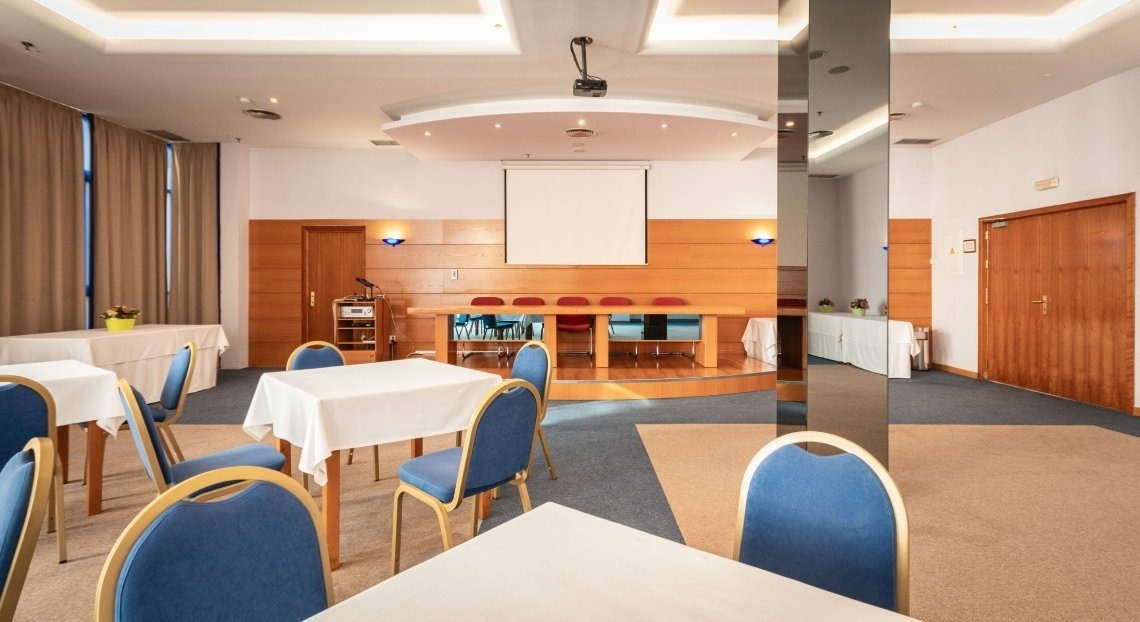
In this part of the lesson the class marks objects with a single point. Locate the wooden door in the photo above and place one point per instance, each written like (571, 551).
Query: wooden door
(1059, 317)
(332, 258)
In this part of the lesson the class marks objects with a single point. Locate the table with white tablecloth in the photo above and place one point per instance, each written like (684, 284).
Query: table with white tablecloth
(869, 342)
(142, 355)
(760, 341)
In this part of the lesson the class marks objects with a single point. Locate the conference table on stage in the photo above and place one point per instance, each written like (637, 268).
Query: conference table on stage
(328, 409)
(142, 356)
(82, 393)
(556, 563)
(860, 341)
(706, 346)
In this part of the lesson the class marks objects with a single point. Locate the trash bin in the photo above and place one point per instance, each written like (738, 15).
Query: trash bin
(921, 361)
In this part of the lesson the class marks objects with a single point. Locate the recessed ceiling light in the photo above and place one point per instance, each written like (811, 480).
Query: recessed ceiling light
(257, 113)
(735, 134)
(581, 122)
(917, 104)
(838, 69)
(498, 125)
(816, 54)
(664, 126)
(427, 134)
(273, 100)
(789, 123)
(820, 133)
(245, 100)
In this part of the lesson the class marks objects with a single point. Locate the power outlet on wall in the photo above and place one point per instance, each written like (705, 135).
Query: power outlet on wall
(454, 275)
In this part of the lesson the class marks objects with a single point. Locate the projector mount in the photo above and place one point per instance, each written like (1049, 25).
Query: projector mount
(586, 85)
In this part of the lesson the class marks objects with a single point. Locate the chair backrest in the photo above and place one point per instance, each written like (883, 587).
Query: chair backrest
(574, 321)
(668, 301)
(258, 554)
(487, 301)
(529, 301)
(25, 487)
(178, 380)
(315, 354)
(27, 411)
(498, 441)
(533, 364)
(145, 435)
(836, 522)
(615, 301)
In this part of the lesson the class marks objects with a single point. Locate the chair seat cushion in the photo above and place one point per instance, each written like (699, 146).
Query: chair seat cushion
(253, 454)
(157, 413)
(434, 473)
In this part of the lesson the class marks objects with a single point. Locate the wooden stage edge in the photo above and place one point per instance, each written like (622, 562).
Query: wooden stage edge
(646, 377)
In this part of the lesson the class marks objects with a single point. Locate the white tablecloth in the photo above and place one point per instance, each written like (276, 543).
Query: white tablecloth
(870, 342)
(142, 355)
(760, 339)
(81, 392)
(323, 410)
(555, 563)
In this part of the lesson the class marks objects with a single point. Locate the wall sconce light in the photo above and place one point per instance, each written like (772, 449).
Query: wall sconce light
(392, 241)
(884, 247)
(763, 241)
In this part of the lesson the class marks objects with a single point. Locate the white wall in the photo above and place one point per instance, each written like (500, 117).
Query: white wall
(696, 190)
(1089, 138)
(233, 193)
(862, 201)
(825, 280)
(910, 182)
(791, 243)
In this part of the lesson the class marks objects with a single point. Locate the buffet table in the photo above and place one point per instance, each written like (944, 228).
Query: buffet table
(760, 340)
(869, 342)
(142, 355)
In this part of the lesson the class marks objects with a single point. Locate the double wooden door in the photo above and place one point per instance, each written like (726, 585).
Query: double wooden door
(1057, 314)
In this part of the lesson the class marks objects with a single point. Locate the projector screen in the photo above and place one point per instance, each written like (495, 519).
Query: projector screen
(564, 215)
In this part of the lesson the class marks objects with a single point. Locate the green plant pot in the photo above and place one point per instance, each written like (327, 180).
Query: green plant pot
(826, 309)
(859, 312)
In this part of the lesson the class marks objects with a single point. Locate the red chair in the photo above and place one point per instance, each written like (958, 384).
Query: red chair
(529, 301)
(577, 323)
(491, 324)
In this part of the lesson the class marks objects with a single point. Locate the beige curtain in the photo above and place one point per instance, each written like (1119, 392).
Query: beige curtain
(194, 235)
(41, 215)
(129, 221)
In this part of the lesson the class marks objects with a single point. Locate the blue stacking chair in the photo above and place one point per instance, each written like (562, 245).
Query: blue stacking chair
(533, 364)
(25, 493)
(168, 410)
(833, 521)
(496, 450)
(258, 554)
(158, 466)
(313, 355)
(27, 411)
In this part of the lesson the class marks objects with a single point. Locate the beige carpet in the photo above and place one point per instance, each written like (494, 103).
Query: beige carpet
(1007, 522)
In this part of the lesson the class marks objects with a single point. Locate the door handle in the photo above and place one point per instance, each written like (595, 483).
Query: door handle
(1044, 302)
(312, 299)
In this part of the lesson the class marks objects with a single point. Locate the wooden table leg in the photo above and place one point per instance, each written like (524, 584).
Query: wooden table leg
(445, 349)
(286, 449)
(484, 501)
(330, 508)
(550, 337)
(95, 444)
(602, 340)
(63, 447)
(706, 347)
(417, 447)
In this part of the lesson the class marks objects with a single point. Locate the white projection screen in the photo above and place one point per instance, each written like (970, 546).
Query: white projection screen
(575, 216)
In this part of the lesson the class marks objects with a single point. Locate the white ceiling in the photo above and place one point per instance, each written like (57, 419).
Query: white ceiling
(340, 73)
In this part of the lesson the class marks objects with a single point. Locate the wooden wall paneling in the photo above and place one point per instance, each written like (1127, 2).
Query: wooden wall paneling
(909, 231)
(473, 232)
(269, 256)
(908, 255)
(274, 232)
(908, 271)
(267, 281)
(712, 256)
(709, 231)
(413, 231)
(525, 281)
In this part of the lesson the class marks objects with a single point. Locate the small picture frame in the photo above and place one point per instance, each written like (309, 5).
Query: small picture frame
(969, 246)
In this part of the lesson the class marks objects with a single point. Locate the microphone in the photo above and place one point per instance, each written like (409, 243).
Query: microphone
(365, 282)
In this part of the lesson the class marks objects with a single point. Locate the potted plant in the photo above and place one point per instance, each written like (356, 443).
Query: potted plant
(859, 307)
(120, 317)
(826, 306)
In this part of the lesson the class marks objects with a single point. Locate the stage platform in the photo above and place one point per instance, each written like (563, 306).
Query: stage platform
(644, 377)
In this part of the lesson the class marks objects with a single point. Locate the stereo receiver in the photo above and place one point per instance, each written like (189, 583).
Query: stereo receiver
(353, 312)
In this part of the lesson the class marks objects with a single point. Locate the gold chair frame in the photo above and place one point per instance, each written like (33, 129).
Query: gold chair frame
(541, 434)
(55, 519)
(165, 429)
(902, 526)
(441, 509)
(185, 491)
(44, 451)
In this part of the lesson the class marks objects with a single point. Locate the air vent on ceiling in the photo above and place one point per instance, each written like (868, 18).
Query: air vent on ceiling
(165, 135)
(822, 176)
(579, 132)
(915, 141)
(385, 143)
(258, 113)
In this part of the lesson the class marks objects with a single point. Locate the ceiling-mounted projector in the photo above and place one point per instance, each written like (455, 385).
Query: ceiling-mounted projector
(587, 85)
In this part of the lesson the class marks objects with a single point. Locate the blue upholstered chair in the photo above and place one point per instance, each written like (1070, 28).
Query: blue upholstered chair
(25, 493)
(833, 521)
(158, 466)
(496, 450)
(168, 410)
(258, 554)
(533, 364)
(313, 355)
(27, 411)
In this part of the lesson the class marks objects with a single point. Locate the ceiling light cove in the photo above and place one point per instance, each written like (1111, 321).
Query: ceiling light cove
(251, 31)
